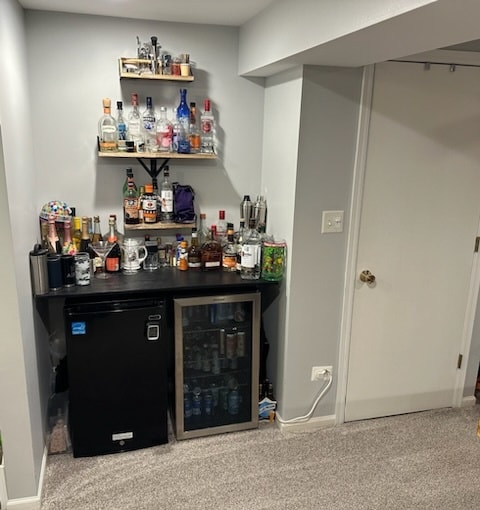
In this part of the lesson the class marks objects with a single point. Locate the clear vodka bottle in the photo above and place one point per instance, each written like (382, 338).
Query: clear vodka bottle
(250, 268)
(149, 127)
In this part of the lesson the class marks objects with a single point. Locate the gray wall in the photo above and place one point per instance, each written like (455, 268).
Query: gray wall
(313, 111)
(24, 373)
(66, 97)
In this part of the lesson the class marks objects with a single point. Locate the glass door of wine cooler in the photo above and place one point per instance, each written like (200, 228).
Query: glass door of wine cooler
(216, 364)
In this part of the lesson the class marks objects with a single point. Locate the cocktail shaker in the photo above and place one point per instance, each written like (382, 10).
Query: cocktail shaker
(38, 270)
(246, 209)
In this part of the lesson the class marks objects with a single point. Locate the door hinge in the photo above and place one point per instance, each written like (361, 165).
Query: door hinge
(477, 244)
(459, 361)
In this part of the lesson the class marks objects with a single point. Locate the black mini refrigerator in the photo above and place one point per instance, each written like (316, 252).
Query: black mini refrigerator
(117, 370)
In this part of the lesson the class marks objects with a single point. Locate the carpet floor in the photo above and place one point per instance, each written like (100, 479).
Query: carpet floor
(426, 461)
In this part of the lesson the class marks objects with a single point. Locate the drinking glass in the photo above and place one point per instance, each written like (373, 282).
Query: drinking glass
(102, 249)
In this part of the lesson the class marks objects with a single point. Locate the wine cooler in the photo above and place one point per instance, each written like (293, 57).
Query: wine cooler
(216, 364)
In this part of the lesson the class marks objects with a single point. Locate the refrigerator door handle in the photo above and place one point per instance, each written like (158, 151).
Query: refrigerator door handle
(153, 331)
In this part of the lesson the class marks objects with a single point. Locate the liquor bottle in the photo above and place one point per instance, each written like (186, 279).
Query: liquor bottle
(141, 192)
(53, 241)
(149, 127)
(203, 231)
(183, 256)
(149, 205)
(207, 126)
(211, 252)
(107, 129)
(175, 131)
(229, 256)
(112, 262)
(183, 117)
(77, 232)
(193, 129)
(85, 240)
(164, 132)
(131, 203)
(239, 237)
(166, 197)
(251, 254)
(119, 234)
(122, 128)
(246, 208)
(97, 234)
(135, 126)
(194, 253)
(221, 227)
(129, 177)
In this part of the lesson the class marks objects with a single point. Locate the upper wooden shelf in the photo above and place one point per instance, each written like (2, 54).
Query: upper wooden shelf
(122, 62)
(156, 155)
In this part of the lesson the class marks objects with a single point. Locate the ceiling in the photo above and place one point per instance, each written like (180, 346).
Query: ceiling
(214, 12)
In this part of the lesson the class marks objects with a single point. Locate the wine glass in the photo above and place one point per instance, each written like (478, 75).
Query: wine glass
(102, 249)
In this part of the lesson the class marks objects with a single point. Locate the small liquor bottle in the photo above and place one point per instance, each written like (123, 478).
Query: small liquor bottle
(251, 254)
(195, 142)
(53, 241)
(149, 127)
(134, 125)
(207, 126)
(107, 129)
(121, 127)
(166, 197)
(194, 253)
(211, 252)
(229, 256)
(183, 256)
(112, 262)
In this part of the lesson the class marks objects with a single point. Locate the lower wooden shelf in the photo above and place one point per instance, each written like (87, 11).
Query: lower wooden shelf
(160, 226)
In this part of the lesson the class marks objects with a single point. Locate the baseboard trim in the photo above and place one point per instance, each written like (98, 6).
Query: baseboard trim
(34, 502)
(468, 401)
(307, 426)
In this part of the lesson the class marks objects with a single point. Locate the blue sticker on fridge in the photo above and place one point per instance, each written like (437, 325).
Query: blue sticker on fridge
(79, 328)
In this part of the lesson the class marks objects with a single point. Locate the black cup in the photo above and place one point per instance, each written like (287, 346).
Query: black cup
(68, 270)
(54, 266)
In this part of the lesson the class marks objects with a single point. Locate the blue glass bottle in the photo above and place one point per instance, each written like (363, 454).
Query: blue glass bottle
(183, 117)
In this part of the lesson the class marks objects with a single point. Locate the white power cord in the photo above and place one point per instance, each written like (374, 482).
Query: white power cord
(326, 375)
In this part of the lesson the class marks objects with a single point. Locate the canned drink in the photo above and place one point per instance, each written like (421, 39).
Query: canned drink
(241, 335)
(233, 402)
(82, 268)
(187, 406)
(208, 404)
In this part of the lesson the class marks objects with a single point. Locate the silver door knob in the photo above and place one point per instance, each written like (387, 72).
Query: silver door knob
(367, 277)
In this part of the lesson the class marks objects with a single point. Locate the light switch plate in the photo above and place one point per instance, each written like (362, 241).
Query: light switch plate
(332, 222)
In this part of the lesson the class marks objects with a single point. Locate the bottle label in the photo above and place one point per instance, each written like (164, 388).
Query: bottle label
(149, 207)
(250, 255)
(112, 264)
(229, 262)
(207, 126)
(167, 200)
(130, 206)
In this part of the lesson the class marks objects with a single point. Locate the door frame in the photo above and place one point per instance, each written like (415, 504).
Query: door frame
(359, 170)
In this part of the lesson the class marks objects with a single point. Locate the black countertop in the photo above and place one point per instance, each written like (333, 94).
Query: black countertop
(167, 280)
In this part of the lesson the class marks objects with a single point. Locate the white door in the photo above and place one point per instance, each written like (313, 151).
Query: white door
(420, 216)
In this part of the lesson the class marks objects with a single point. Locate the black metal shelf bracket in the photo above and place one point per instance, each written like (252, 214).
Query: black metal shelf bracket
(153, 170)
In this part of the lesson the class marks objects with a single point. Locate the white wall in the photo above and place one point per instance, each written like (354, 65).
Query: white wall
(73, 61)
(23, 380)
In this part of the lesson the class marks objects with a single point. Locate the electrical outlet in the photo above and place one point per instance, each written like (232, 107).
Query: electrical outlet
(319, 373)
